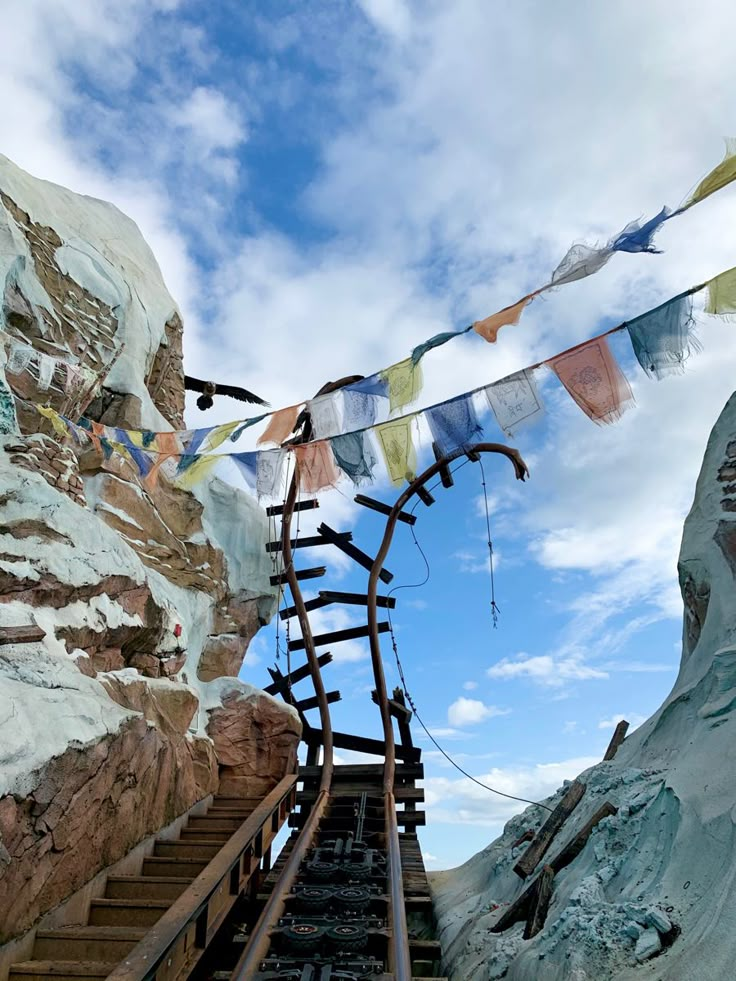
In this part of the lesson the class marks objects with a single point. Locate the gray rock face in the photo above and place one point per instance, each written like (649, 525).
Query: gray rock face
(651, 894)
(146, 597)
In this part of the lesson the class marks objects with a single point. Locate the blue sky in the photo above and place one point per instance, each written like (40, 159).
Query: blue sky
(327, 184)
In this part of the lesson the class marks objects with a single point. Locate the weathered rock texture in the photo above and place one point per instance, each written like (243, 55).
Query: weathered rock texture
(652, 894)
(119, 720)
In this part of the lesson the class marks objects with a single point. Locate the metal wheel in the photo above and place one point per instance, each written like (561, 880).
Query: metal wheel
(322, 870)
(352, 899)
(348, 936)
(301, 937)
(313, 899)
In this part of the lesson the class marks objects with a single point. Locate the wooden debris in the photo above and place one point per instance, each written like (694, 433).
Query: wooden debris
(424, 496)
(307, 505)
(618, 737)
(539, 905)
(369, 502)
(299, 674)
(573, 848)
(544, 837)
(283, 577)
(445, 474)
(354, 553)
(335, 636)
(527, 836)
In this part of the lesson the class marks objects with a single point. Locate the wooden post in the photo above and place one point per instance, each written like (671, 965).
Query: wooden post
(573, 848)
(616, 739)
(540, 903)
(544, 837)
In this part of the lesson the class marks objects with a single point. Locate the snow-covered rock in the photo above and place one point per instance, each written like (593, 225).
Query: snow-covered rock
(111, 725)
(651, 894)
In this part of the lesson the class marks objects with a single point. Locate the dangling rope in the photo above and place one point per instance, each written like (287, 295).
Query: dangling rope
(494, 606)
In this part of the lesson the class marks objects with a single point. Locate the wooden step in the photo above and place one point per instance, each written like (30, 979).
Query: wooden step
(145, 887)
(251, 802)
(173, 867)
(200, 834)
(213, 822)
(282, 578)
(90, 943)
(127, 912)
(199, 849)
(353, 552)
(309, 505)
(374, 505)
(307, 541)
(57, 970)
(351, 771)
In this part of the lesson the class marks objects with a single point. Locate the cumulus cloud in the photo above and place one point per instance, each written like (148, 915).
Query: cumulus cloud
(470, 685)
(545, 669)
(633, 718)
(471, 711)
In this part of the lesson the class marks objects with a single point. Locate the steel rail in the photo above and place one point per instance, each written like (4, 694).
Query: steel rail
(399, 956)
(260, 938)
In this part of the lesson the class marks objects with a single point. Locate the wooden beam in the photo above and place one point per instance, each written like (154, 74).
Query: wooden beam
(357, 599)
(445, 474)
(314, 573)
(362, 744)
(308, 505)
(353, 552)
(290, 611)
(540, 902)
(335, 636)
(573, 848)
(544, 837)
(527, 836)
(29, 634)
(369, 502)
(299, 674)
(518, 910)
(616, 739)
(308, 541)
(396, 709)
(424, 496)
(313, 702)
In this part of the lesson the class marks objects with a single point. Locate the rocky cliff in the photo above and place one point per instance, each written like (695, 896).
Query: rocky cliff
(652, 893)
(123, 709)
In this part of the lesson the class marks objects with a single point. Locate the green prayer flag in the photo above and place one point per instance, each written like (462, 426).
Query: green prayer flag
(721, 297)
(398, 449)
(721, 175)
(404, 382)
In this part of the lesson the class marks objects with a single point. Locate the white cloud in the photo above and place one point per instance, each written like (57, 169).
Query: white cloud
(470, 711)
(470, 685)
(634, 719)
(545, 669)
(211, 120)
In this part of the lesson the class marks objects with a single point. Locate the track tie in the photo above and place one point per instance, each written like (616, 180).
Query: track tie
(350, 633)
(353, 552)
(369, 502)
(424, 496)
(310, 541)
(309, 505)
(315, 573)
(356, 599)
(313, 702)
(299, 674)
(445, 474)
(314, 604)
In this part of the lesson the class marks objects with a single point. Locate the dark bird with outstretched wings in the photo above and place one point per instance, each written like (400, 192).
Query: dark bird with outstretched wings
(209, 389)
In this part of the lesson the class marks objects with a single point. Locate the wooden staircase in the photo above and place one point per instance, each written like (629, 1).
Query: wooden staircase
(132, 904)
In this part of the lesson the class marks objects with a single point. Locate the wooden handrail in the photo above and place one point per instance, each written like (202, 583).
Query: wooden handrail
(143, 961)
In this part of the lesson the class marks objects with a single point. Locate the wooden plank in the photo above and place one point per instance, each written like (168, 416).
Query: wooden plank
(544, 837)
(354, 553)
(618, 737)
(357, 599)
(445, 475)
(369, 502)
(573, 848)
(308, 541)
(403, 722)
(290, 611)
(527, 836)
(298, 674)
(313, 702)
(540, 903)
(518, 910)
(29, 634)
(308, 505)
(302, 574)
(424, 496)
(366, 771)
(362, 744)
(336, 636)
(395, 708)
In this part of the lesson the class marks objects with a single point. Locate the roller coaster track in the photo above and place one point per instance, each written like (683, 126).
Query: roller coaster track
(348, 898)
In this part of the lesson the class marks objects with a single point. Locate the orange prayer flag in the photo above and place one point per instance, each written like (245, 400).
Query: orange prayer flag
(315, 466)
(169, 446)
(280, 426)
(489, 328)
(591, 375)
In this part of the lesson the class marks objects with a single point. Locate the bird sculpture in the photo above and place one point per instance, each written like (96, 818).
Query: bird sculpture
(209, 389)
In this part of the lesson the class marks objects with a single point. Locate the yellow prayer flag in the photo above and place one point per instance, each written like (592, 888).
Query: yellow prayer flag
(722, 293)
(404, 382)
(489, 328)
(721, 175)
(398, 449)
(218, 436)
(55, 419)
(201, 468)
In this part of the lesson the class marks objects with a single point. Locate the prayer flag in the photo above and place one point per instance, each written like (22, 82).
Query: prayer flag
(437, 341)
(579, 261)
(315, 466)
(358, 409)
(371, 385)
(638, 238)
(196, 470)
(46, 369)
(324, 416)
(60, 425)
(281, 425)
(247, 464)
(398, 449)
(246, 424)
(404, 383)
(722, 293)
(594, 380)
(354, 456)
(514, 401)
(453, 425)
(268, 472)
(167, 448)
(490, 327)
(721, 175)
(20, 358)
(662, 339)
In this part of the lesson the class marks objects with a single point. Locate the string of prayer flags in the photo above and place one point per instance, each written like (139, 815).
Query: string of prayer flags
(721, 175)
(404, 381)
(61, 427)
(721, 296)
(324, 416)
(269, 473)
(354, 456)
(359, 409)
(281, 425)
(515, 401)
(190, 472)
(316, 466)
(453, 425)
(371, 385)
(578, 262)
(490, 327)
(662, 338)
(593, 378)
(639, 238)
(247, 464)
(246, 424)
(397, 445)
(167, 449)
(437, 341)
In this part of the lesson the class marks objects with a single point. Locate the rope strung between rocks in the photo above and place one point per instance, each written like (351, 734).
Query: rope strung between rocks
(494, 606)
